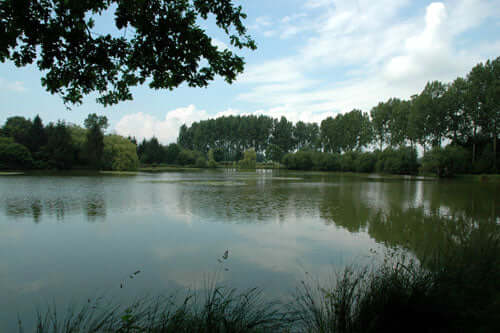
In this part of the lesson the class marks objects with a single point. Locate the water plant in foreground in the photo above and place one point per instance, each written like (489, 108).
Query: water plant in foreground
(218, 309)
(455, 289)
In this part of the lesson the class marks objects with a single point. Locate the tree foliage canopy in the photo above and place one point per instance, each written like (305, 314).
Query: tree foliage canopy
(160, 42)
(64, 146)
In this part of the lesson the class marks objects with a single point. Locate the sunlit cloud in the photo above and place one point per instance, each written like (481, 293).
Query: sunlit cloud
(377, 52)
(16, 86)
(142, 125)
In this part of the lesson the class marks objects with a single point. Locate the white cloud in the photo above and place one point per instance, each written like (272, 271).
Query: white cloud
(393, 55)
(293, 25)
(318, 3)
(426, 53)
(227, 113)
(289, 111)
(270, 33)
(282, 70)
(261, 22)
(142, 125)
(16, 86)
(221, 45)
(290, 31)
(372, 51)
(285, 27)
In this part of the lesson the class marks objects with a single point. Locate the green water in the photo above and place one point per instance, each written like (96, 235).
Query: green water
(65, 238)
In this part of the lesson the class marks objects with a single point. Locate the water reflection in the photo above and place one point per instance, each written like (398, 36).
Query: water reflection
(93, 205)
(353, 203)
(174, 226)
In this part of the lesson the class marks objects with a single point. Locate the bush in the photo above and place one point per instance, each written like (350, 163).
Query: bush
(218, 154)
(486, 161)
(397, 161)
(303, 160)
(274, 153)
(289, 161)
(212, 164)
(366, 162)
(201, 162)
(331, 162)
(172, 152)
(186, 157)
(119, 154)
(249, 160)
(446, 162)
(347, 161)
(14, 155)
(309, 160)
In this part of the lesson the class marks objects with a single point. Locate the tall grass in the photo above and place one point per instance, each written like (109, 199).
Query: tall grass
(454, 290)
(217, 310)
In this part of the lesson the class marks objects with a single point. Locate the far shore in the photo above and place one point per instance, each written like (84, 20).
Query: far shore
(11, 173)
(484, 178)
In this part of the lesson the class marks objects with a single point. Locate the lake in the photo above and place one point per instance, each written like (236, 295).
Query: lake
(69, 237)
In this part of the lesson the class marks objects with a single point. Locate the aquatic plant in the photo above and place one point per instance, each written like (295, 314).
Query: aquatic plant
(455, 289)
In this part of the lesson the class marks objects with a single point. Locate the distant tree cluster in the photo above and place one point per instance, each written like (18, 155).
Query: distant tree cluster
(28, 144)
(394, 161)
(464, 114)
(229, 137)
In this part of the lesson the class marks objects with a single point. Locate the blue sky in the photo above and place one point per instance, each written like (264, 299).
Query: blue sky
(315, 58)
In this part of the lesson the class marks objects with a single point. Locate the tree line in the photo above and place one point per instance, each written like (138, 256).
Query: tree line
(456, 125)
(28, 144)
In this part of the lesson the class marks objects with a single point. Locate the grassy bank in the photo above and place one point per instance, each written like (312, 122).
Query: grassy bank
(166, 168)
(11, 173)
(455, 290)
(486, 178)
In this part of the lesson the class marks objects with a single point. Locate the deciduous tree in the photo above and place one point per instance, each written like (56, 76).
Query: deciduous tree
(159, 42)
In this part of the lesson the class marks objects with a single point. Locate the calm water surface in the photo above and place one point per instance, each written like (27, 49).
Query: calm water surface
(69, 237)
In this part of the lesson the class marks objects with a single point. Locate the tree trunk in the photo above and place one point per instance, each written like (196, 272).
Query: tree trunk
(495, 153)
(474, 146)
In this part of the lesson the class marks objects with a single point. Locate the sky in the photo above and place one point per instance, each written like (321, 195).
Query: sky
(315, 59)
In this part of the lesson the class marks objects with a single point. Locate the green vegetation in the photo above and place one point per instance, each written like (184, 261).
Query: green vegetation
(165, 168)
(159, 42)
(481, 178)
(465, 114)
(119, 154)
(455, 289)
(249, 160)
(216, 310)
(14, 155)
(393, 161)
(26, 144)
(447, 161)
(94, 145)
